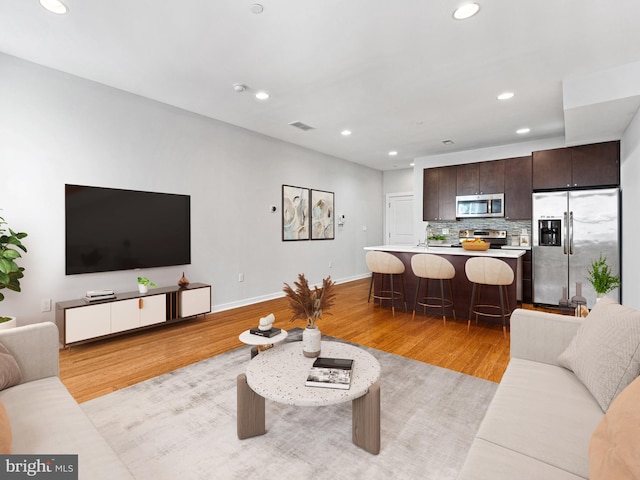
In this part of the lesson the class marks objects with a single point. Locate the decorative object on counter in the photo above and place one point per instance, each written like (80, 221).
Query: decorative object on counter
(144, 283)
(184, 281)
(436, 239)
(477, 244)
(599, 274)
(309, 304)
(10, 272)
(578, 301)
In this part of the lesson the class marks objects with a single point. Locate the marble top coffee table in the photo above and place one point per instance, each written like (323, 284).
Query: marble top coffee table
(279, 374)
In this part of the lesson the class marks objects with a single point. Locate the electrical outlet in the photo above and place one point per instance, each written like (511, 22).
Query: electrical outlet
(45, 305)
(445, 231)
(241, 277)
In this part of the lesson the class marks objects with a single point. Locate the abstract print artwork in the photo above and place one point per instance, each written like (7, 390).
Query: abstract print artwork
(295, 213)
(322, 215)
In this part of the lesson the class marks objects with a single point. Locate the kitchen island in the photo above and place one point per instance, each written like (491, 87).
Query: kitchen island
(461, 286)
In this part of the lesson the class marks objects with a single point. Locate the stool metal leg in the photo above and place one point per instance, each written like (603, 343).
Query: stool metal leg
(473, 297)
(415, 303)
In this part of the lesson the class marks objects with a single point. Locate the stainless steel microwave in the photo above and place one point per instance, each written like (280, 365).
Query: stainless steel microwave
(478, 206)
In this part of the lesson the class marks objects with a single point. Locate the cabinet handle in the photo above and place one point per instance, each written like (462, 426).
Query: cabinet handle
(140, 302)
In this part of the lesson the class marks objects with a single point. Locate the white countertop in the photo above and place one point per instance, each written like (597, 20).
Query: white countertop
(492, 252)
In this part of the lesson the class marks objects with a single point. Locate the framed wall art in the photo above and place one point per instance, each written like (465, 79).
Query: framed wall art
(295, 213)
(322, 215)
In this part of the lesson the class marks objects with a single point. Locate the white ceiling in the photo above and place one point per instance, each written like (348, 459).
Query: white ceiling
(402, 75)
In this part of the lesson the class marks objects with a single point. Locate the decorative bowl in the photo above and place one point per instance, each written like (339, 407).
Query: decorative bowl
(477, 246)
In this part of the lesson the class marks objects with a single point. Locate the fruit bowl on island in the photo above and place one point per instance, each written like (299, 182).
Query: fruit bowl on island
(477, 244)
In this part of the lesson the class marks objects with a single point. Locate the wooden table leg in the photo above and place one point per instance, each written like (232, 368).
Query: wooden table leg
(365, 418)
(250, 414)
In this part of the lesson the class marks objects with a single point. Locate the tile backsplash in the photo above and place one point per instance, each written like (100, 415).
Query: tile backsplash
(514, 228)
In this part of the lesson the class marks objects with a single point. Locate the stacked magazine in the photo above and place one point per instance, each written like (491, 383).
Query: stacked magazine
(95, 295)
(330, 373)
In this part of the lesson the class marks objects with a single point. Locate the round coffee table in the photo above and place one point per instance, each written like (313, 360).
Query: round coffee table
(279, 374)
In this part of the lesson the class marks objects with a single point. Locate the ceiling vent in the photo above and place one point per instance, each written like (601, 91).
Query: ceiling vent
(301, 126)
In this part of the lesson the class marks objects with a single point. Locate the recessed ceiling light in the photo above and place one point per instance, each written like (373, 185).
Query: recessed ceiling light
(345, 133)
(393, 153)
(54, 6)
(466, 11)
(412, 164)
(505, 96)
(522, 131)
(262, 95)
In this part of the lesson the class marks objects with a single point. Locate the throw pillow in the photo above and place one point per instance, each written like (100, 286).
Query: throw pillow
(10, 374)
(5, 432)
(605, 353)
(613, 450)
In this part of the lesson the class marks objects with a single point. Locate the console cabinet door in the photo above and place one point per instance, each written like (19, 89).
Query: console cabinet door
(87, 322)
(124, 315)
(194, 302)
(154, 310)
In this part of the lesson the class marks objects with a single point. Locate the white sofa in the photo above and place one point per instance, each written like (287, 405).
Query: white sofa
(541, 420)
(44, 417)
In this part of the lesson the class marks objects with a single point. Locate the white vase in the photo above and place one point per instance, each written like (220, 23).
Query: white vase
(311, 341)
(10, 324)
(143, 288)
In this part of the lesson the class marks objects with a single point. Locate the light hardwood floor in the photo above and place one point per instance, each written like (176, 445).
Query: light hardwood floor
(98, 368)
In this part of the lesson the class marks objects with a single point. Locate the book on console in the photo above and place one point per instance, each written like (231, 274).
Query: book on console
(95, 298)
(330, 373)
(272, 332)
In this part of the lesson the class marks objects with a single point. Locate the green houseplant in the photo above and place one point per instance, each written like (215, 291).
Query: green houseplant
(600, 276)
(144, 283)
(10, 272)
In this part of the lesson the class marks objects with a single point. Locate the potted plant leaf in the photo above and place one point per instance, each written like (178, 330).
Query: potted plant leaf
(10, 272)
(144, 283)
(600, 276)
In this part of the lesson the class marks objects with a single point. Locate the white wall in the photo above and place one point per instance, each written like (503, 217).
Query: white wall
(56, 128)
(630, 184)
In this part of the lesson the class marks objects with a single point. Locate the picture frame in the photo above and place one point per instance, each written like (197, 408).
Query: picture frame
(295, 213)
(322, 206)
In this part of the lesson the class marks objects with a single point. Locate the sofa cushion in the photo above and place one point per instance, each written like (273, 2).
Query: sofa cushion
(605, 353)
(10, 374)
(5, 431)
(46, 419)
(543, 412)
(613, 451)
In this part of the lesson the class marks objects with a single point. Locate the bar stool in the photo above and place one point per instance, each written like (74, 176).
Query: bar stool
(386, 265)
(489, 271)
(433, 267)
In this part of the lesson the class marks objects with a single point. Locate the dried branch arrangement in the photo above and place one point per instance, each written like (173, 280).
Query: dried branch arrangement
(307, 303)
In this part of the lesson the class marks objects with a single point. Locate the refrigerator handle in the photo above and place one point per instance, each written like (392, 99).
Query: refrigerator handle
(566, 238)
(570, 233)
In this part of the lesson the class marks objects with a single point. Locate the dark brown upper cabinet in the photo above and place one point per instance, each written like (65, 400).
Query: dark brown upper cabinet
(518, 188)
(481, 177)
(439, 193)
(594, 165)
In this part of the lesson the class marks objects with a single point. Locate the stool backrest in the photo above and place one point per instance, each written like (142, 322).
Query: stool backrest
(488, 271)
(383, 262)
(427, 265)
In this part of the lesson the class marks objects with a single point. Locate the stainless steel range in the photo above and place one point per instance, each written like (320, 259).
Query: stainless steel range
(496, 238)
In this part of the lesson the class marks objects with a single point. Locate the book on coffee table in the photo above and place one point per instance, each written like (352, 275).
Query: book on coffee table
(272, 332)
(330, 373)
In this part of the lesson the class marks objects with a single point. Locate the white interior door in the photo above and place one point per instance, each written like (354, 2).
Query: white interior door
(399, 229)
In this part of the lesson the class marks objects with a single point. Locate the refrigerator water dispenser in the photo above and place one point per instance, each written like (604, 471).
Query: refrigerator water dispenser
(549, 233)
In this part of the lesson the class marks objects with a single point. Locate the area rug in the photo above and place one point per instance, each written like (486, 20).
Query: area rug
(182, 425)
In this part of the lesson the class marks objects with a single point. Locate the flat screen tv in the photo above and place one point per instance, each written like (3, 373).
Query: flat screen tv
(108, 229)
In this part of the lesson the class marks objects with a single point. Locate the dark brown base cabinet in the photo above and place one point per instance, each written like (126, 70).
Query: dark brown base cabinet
(79, 321)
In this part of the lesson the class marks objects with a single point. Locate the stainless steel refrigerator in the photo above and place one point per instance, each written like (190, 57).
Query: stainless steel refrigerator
(570, 230)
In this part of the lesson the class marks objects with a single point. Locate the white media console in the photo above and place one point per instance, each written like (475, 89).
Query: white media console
(79, 321)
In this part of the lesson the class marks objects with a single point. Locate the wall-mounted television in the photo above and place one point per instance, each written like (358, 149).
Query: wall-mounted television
(109, 229)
